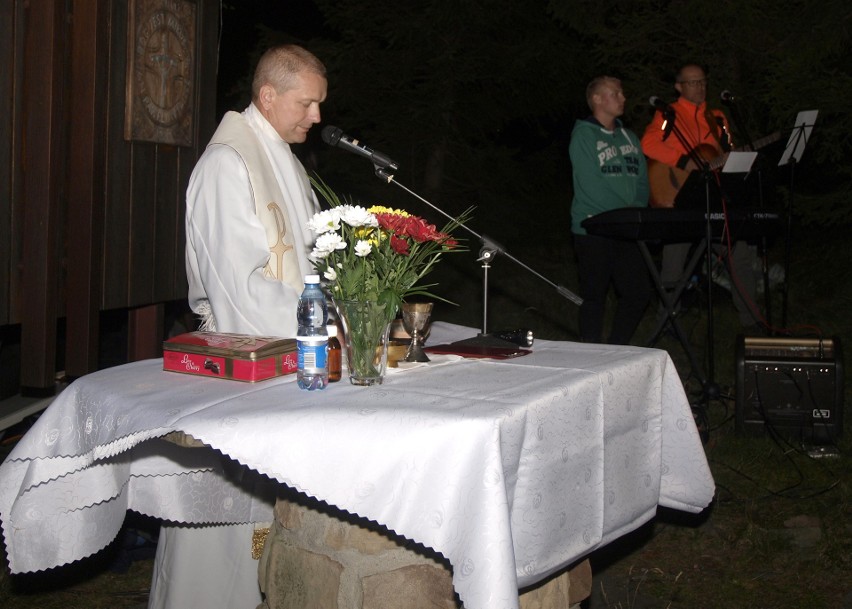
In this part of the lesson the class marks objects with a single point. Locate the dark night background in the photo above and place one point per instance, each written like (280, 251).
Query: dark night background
(476, 100)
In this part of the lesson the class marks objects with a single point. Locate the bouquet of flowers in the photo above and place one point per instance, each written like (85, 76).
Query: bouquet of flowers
(372, 260)
(377, 253)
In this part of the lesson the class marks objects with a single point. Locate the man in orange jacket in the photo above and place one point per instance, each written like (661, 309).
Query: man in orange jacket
(704, 134)
(701, 136)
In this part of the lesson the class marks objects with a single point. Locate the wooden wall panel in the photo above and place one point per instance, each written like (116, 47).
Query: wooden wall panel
(141, 199)
(186, 164)
(117, 168)
(207, 51)
(45, 69)
(168, 198)
(85, 186)
(104, 216)
(11, 209)
(7, 74)
(144, 237)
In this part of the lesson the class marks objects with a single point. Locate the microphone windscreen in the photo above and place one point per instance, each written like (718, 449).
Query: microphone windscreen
(331, 135)
(656, 102)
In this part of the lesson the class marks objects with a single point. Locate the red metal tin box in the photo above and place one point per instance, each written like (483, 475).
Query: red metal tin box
(239, 357)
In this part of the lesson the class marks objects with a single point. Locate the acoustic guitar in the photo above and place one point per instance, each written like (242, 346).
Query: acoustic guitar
(666, 181)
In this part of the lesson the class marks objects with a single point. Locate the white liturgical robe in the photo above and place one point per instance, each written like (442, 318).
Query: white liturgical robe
(228, 252)
(227, 246)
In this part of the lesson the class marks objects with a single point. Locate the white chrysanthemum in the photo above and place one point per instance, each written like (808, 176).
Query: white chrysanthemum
(363, 248)
(325, 221)
(355, 215)
(330, 274)
(327, 243)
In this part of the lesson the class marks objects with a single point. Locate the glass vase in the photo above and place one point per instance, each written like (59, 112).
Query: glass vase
(366, 326)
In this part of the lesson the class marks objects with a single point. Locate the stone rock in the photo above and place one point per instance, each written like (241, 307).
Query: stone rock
(412, 587)
(320, 557)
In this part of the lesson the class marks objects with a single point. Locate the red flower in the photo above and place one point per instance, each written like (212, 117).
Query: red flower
(392, 223)
(414, 227)
(400, 246)
(420, 231)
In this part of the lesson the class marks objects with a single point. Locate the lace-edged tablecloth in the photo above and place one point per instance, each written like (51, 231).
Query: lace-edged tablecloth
(511, 469)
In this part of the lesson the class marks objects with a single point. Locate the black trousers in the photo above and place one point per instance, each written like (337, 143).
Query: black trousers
(601, 262)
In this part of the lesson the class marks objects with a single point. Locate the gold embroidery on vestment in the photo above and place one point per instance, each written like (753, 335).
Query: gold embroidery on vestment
(280, 248)
(258, 539)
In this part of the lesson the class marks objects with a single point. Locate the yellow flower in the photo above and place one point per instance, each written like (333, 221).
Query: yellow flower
(388, 251)
(380, 209)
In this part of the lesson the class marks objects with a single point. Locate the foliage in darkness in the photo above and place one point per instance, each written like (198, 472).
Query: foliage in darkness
(476, 101)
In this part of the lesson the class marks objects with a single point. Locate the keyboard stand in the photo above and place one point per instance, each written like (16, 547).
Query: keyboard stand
(671, 300)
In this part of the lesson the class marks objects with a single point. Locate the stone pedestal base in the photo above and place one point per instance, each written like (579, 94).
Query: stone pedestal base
(320, 557)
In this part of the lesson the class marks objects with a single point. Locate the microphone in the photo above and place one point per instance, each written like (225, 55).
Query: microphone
(727, 97)
(667, 112)
(668, 126)
(334, 136)
(659, 104)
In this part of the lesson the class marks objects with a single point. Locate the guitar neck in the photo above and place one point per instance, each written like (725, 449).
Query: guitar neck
(764, 141)
(719, 161)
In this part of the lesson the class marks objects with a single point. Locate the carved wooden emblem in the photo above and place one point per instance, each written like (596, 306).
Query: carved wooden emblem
(160, 72)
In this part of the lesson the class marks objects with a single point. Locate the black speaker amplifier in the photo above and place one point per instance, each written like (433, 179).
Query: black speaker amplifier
(794, 386)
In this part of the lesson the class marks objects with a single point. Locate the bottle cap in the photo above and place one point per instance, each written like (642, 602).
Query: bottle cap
(331, 329)
(311, 279)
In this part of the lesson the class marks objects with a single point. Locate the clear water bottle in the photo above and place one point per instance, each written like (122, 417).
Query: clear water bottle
(312, 337)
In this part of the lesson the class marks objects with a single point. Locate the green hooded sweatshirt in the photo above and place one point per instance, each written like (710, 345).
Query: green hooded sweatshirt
(609, 170)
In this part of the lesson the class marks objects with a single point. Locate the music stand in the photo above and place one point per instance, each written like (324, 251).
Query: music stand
(692, 194)
(799, 137)
(736, 163)
(739, 162)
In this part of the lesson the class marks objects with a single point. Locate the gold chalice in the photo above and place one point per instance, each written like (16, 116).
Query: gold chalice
(415, 318)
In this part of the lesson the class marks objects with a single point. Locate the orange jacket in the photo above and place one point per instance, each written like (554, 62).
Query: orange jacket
(692, 122)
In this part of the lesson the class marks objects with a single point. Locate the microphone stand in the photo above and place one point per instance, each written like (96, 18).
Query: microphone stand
(764, 247)
(487, 254)
(710, 389)
(788, 240)
(795, 146)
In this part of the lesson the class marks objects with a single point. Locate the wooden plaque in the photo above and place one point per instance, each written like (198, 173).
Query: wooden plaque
(161, 71)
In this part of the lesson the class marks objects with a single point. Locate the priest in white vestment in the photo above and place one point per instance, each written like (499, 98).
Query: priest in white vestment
(247, 245)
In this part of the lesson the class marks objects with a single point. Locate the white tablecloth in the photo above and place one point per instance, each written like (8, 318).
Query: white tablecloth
(510, 469)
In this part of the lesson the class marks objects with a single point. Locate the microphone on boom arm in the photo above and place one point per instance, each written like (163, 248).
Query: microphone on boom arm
(668, 114)
(659, 104)
(334, 136)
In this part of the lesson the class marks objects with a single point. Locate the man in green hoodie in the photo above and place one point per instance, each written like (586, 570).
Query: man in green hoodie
(609, 173)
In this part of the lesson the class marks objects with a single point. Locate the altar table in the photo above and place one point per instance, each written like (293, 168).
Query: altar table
(510, 469)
